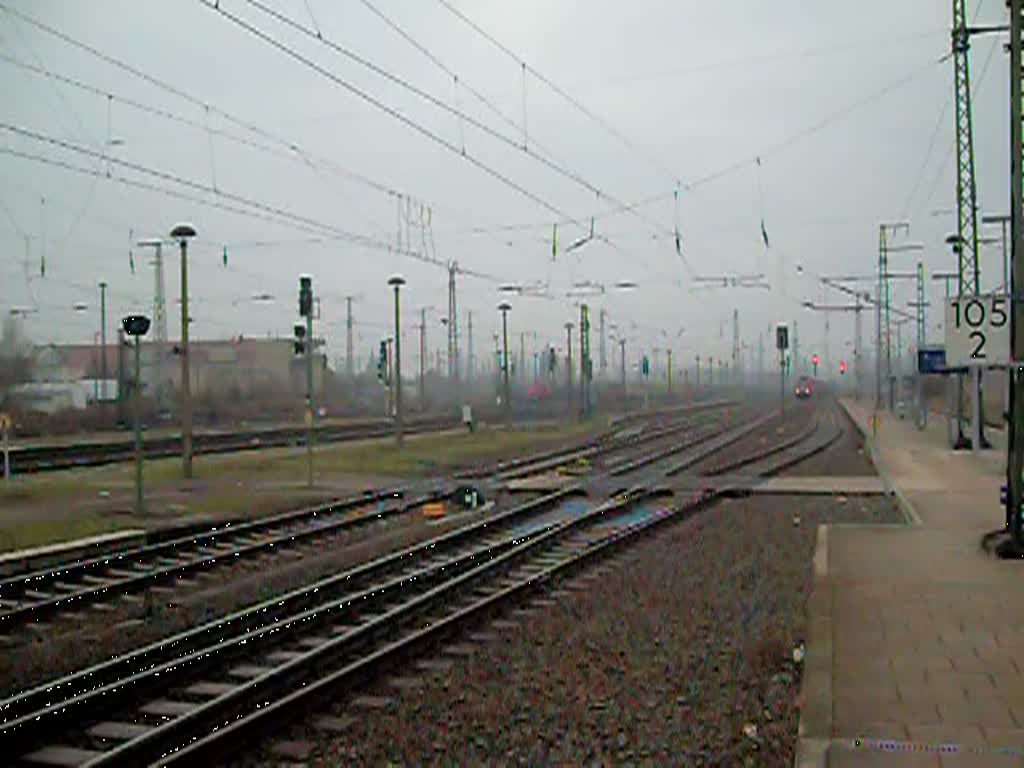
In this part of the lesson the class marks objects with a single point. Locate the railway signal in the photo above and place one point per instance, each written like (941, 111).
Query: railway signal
(304, 344)
(382, 363)
(814, 362)
(646, 366)
(782, 344)
(137, 326)
(842, 367)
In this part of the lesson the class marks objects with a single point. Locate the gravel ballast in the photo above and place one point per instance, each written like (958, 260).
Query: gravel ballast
(681, 653)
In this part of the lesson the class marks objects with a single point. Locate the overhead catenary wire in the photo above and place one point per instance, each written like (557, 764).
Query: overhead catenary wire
(251, 208)
(416, 126)
(247, 125)
(526, 67)
(403, 83)
(269, 39)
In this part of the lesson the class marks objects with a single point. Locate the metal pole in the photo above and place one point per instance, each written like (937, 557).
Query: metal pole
(583, 361)
(504, 333)
(423, 359)
(120, 376)
(470, 360)
(697, 377)
(568, 367)
(522, 355)
(622, 363)
(349, 361)
(398, 374)
(390, 378)
(7, 449)
(310, 407)
(878, 346)
(669, 353)
(137, 416)
(782, 382)
(186, 382)
(1015, 465)
(103, 345)
(857, 342)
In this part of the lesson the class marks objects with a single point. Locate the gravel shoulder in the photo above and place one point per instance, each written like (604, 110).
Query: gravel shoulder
(663, 659)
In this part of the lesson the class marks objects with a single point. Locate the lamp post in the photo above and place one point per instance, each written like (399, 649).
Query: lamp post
(398, 281)
(103, 344)
(183, 233)
(504, 307)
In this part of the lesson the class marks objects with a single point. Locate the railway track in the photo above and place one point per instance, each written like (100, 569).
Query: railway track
(60, 591)
(44, 458)
(188, 699)
(38, 595)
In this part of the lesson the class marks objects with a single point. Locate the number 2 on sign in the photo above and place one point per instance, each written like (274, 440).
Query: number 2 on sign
(973, 313)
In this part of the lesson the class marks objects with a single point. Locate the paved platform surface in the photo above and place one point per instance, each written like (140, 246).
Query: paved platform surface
(915, 650)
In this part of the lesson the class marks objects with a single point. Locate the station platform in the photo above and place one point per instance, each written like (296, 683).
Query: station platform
(915, 648)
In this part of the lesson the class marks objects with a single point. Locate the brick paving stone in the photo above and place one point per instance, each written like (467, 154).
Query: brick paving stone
(847, 758)
(918, 711)
(982, 760)
(927, 662)
(885, 730)
(1004, 737)
(853, 715)
(984, 712)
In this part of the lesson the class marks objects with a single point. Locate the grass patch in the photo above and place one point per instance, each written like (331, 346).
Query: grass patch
(244, 484)
(38, 533)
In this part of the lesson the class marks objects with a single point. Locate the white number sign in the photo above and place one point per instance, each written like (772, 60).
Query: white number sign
(978, 330)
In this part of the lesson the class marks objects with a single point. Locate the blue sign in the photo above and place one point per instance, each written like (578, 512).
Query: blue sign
(931, 360)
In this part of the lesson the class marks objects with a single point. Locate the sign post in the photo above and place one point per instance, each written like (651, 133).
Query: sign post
(978, 337)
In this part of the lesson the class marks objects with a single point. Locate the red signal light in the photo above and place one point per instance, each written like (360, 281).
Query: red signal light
(842, 366)
(814, 359)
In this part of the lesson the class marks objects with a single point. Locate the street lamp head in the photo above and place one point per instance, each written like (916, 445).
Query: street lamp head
(396, 280)
(183, 231)
(808, 305)
(953, 239)
(504, 306)
(80, 306)
(625, 284)
(510, 288)
(152, 242)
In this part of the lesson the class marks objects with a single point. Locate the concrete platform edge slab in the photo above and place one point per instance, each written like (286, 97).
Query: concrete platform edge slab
(814, 732)
(909, 512)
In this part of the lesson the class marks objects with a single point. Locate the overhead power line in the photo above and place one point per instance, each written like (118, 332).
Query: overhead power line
(265, 211)
(271, 40)
(403, 83)
(590, 114)
(179, 93)
(418, 127)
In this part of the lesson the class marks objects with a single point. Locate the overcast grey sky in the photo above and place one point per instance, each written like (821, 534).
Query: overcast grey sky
(841, 101)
